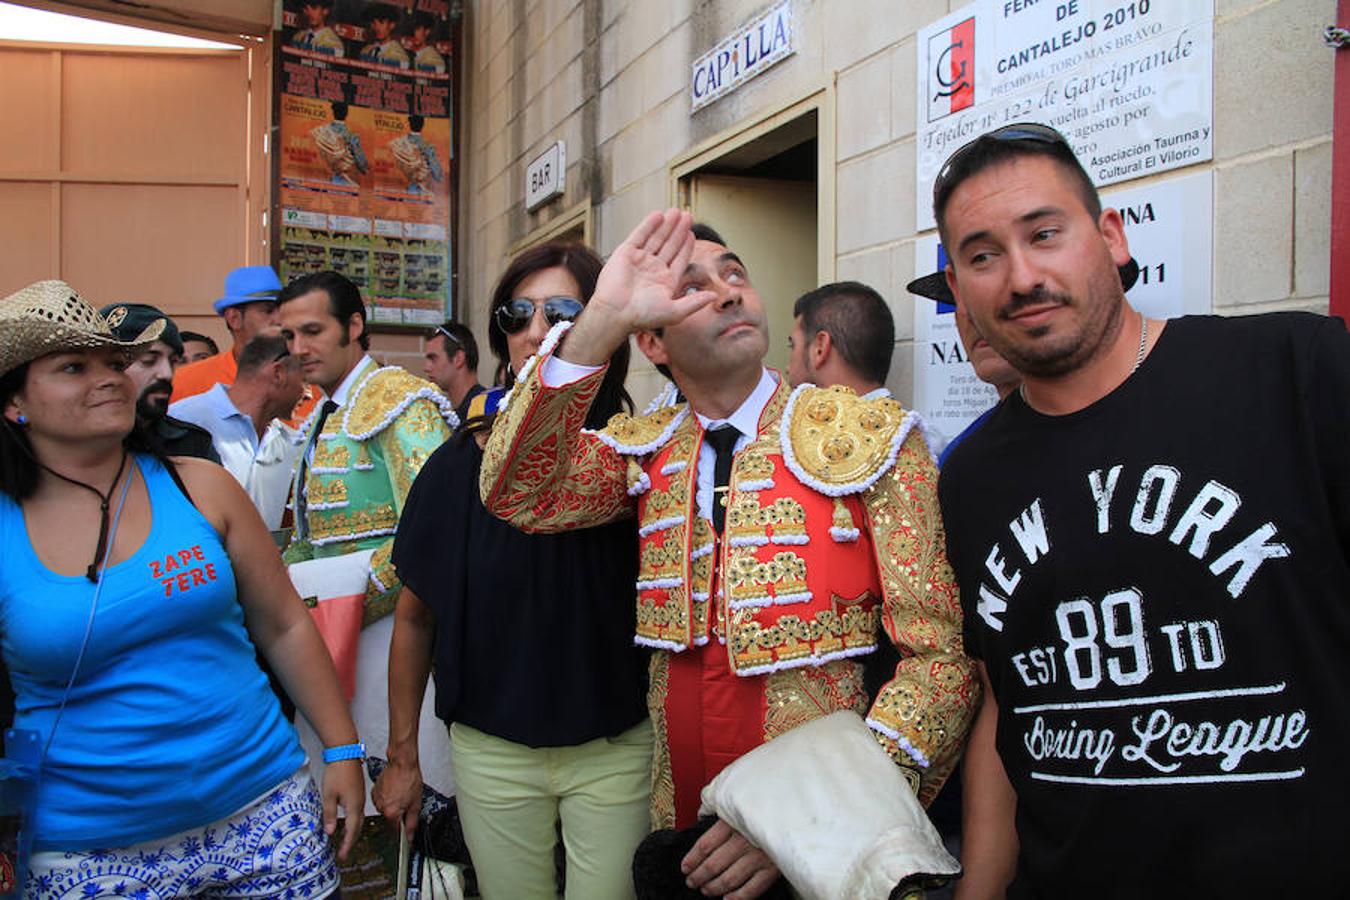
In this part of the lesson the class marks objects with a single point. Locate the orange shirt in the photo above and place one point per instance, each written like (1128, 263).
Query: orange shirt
(201, 376)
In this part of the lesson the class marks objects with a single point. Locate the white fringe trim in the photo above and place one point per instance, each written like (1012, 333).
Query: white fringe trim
(791, 539)
(304, 426)
(929, 437)
(699, 552)
(844, 535)
(641, 641)
(328, 437)
(337, 504)
(667, 396)
(368, 467)
(749, 540)
(776, 600)
(354, 536)
(671, 468)
(657, 583)
(751, 602)
(699, 596)
(803, 662)
(545, 347)
(913, 752)
(641, 486)
(701, 641)
(659, 525)
(642, 449)
(379, 585)
(555, 334)
(442, 403)
(328, 470)
(763, 484)
(841, 490)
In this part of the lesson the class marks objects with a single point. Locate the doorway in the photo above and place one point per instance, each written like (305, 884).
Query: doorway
(767, 187)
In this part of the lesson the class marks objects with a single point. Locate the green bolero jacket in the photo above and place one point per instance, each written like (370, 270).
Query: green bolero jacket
(364, 463)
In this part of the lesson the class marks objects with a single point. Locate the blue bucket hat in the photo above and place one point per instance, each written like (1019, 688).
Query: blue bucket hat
(248, 284)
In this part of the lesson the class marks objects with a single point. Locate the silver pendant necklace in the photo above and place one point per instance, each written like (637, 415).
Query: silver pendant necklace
(1138, 357)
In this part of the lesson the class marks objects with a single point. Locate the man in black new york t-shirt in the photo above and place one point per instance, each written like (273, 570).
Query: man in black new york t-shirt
(1151, 542)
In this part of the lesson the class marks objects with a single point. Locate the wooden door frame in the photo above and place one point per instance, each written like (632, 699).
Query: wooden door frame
(581, 213)
(821, 101)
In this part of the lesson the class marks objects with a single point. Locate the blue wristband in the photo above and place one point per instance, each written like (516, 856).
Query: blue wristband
(346, 751)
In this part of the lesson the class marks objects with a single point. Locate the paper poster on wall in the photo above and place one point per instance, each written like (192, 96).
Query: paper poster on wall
(1128, 82)
(364, 151)
(1170, 228)
(946, 392)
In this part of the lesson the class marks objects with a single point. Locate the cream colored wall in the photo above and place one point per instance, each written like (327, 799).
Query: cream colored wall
(136, 174)
(610, 77)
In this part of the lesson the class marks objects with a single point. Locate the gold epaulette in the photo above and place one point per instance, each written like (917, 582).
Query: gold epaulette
(631, 435)
(383, 396)
(840, 443)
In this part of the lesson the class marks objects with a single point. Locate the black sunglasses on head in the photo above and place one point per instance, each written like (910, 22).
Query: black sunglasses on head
(453, 342)
(515, 314)
(1008, 134)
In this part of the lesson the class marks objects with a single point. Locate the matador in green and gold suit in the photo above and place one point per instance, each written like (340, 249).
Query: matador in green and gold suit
(372, 446)
(349, 494)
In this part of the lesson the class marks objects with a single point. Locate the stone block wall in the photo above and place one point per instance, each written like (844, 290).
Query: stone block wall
(610, 77)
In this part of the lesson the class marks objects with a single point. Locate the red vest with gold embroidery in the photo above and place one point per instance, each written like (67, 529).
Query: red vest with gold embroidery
(793, 581)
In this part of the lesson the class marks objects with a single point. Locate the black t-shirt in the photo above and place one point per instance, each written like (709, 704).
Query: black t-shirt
(1158, 585)
(534, 632)
(175, 437)
(462, 411)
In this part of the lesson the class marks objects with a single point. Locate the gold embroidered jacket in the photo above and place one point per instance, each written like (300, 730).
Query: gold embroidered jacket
(363, 465)
(832, 527)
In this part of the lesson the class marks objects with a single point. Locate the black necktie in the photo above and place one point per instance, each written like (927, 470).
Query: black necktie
(302, 495)
(723, 441)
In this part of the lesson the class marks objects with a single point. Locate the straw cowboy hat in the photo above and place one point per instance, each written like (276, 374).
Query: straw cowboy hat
(48, 317)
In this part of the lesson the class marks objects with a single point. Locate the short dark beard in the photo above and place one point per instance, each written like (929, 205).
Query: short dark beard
(1053, 361)
(153, 410)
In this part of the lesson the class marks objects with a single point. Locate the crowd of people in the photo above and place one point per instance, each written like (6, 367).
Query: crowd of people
(266, 608)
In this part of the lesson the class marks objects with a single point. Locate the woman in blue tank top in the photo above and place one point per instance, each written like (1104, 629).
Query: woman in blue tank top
(130, 589)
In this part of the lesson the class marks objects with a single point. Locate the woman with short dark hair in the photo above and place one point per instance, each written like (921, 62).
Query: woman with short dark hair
(536, 672)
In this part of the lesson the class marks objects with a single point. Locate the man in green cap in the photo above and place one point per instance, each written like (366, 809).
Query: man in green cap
(152, 372)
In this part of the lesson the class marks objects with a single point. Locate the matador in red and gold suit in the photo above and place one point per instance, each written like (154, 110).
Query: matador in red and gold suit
(832, 536)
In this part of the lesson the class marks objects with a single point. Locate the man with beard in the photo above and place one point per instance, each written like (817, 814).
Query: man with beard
(778, 531)
(152, 373)
(1151, 537)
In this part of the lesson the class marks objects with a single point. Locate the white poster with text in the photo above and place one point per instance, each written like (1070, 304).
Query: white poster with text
(1129, 83)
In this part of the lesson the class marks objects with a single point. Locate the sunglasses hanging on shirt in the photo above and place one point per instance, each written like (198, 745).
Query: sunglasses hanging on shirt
(516, 314)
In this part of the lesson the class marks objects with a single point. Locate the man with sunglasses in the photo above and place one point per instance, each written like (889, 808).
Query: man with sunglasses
(782, 534)
(451, 363)
(1151, 538)
(244, 420)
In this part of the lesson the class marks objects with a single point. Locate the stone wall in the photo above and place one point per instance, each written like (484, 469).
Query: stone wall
(610, 77)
